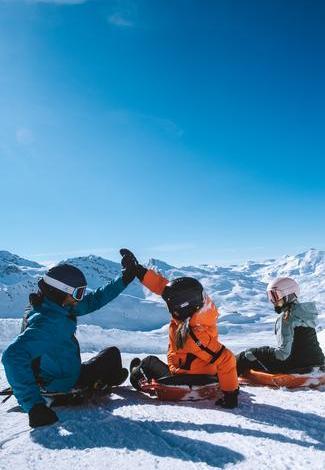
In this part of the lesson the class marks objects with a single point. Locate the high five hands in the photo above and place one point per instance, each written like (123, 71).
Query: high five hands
(131, 267)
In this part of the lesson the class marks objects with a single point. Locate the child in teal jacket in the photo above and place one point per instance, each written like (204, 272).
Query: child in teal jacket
(47, 354)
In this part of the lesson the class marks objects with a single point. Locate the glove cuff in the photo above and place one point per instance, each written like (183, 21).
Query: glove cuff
(141, 272)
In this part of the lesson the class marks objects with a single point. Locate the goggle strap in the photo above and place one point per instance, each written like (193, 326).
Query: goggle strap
(60, 285)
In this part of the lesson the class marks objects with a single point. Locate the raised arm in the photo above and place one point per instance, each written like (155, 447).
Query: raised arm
(100, 297)
(149, 278)
(154, 281)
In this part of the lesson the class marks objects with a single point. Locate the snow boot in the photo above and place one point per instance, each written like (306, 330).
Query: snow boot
(229, 400)
(123, 375)
(134, 363)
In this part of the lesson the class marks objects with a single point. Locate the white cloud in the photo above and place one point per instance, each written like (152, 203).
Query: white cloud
(24, 136)
(121, 20)
(125, 117)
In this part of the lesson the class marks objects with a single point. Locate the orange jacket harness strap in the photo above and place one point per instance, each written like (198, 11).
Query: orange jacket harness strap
(214, 355)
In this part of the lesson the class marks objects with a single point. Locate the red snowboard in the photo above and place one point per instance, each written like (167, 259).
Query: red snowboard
(313, 378)
(185, 387)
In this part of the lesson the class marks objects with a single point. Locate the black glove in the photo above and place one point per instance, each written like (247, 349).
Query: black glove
(41, 415)
(229, 399)
(131, 267)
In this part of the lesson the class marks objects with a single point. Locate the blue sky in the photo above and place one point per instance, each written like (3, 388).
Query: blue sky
(191, 131)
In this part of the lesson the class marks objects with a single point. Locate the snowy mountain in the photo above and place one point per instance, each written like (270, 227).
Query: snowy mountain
(17, 278)
(238, 290)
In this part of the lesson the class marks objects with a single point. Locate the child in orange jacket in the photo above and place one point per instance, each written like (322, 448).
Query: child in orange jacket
(194, 347)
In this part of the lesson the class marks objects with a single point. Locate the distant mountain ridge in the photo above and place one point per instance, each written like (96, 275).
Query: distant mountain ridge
(238, 290)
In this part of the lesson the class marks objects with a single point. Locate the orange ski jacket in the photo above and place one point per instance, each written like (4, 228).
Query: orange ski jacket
(202, 352)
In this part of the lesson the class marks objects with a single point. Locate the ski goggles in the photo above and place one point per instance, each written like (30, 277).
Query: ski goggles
(274, 296)
(77, 293)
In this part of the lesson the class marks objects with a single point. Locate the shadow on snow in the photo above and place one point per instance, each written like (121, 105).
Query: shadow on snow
(95, 426)
(117, 432)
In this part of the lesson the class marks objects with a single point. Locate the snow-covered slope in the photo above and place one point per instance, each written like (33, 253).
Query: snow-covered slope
(239, 291)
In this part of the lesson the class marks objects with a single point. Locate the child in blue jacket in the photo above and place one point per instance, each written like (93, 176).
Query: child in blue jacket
(46, 354)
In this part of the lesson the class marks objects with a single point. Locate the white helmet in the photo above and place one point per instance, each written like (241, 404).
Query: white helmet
(281, 288)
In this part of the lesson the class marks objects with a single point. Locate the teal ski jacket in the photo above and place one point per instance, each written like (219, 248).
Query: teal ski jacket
(49, 339)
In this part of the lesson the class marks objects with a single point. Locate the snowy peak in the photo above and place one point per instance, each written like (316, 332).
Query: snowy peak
(310, 262)
(238, 291)
(14, 269)
(97, 270)
(7, 258)
(159, 265)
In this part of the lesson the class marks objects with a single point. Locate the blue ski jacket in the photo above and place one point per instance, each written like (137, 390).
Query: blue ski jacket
(49, 339)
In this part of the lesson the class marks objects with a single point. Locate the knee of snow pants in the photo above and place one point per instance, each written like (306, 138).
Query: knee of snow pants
(106, 367)
(243, 364)
(151, 367)
(265, 361)
(227, 372)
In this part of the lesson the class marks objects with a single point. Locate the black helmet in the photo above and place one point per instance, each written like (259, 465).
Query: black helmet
(68, 274)
(65, 278)
(184, 296)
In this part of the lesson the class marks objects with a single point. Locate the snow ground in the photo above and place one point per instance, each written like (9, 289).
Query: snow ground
(272, 428)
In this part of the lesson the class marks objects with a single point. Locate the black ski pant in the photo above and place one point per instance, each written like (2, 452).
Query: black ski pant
(267, 362)
(151, 367)
(105, 368)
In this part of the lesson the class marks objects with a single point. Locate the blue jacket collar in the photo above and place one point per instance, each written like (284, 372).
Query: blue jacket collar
(49, 305)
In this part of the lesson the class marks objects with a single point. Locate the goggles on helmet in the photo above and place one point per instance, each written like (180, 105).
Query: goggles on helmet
(274, 296)
(77, 293)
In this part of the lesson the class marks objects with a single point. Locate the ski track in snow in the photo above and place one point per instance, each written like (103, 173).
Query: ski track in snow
(278, 429)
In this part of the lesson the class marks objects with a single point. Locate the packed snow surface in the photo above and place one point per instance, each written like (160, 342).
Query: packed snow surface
(272, 428)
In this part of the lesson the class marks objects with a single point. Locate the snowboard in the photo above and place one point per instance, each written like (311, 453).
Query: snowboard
(312, 378)
(183, 387)
(73, 397)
